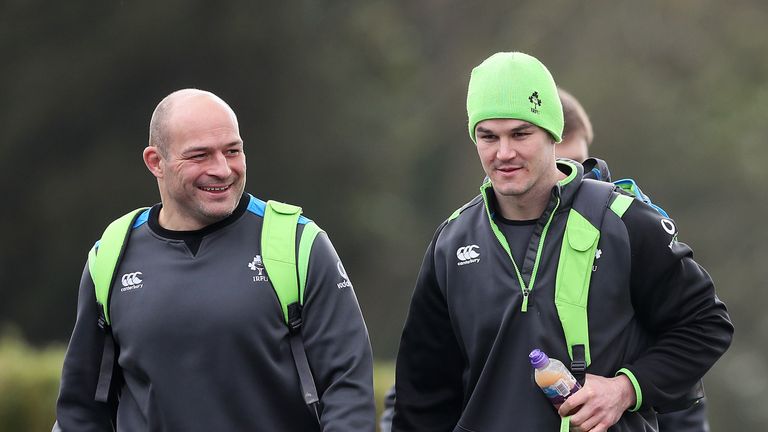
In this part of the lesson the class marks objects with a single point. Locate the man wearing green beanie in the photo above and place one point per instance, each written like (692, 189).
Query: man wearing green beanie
(542, 259)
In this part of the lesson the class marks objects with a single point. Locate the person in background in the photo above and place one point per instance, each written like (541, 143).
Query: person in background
(577, 129)
(577, 138)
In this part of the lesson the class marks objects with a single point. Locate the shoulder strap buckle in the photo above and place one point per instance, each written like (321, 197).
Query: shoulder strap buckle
(294, 318)
(579, 363)
(102, 321)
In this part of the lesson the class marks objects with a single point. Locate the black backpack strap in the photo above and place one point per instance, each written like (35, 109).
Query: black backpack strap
(596, 169)
(593, 199)
(106, 370)
(308, 388)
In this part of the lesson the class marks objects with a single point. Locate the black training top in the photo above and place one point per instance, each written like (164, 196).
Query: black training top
(463, 359)
(202, 342)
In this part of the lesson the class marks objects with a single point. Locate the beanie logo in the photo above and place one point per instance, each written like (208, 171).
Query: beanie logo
(535, 102)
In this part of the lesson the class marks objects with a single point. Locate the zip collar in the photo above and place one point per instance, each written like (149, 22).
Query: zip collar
(567, 187)
(560, 198)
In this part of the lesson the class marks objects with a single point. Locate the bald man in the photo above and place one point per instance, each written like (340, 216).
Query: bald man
(200, 343)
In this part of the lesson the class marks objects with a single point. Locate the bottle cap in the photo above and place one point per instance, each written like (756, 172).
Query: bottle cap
(538, 358)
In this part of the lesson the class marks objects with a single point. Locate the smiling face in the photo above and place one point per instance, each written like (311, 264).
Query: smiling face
(201, 168)
(519, 159)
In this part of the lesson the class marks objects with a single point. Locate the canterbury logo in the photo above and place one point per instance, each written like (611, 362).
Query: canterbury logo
(468, 254)
(131, 279)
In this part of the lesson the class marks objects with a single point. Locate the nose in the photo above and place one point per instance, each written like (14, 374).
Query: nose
(506, 149)
(219, 166)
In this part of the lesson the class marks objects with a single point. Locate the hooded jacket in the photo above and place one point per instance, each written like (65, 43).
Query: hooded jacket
(475, 315)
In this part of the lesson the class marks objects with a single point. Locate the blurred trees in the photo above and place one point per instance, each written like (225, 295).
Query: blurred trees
(355, 110)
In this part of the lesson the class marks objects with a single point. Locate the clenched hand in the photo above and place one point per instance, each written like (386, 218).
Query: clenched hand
(599, 404)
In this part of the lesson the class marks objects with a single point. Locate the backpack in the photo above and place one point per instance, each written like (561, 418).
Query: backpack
(286, 267)
(577, 255)
(597, 169)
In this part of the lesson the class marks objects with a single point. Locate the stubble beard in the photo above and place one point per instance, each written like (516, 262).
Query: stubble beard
(216, 215)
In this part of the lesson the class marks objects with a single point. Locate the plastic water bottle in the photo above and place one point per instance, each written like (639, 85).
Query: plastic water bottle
(555, 380)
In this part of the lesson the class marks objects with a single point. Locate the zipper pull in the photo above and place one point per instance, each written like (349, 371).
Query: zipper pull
(526, 291)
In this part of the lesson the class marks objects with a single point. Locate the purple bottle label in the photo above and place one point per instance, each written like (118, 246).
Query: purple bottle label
(560, 391)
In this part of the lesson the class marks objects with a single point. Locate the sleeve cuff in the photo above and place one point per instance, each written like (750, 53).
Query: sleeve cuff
(635, 385)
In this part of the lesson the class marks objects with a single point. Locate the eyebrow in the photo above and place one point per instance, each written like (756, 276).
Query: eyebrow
(520, 128)
(206, 148)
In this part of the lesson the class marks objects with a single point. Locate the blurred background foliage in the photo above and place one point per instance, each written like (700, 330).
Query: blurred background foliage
(356, 111)
(29, 383)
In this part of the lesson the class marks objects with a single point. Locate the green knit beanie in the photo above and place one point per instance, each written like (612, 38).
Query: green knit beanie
(514, 86)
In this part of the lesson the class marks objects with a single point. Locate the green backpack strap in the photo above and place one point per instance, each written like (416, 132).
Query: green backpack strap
(104, 256)
(278, 251)
(102, 265)
(577, 253)
(288, 276)
(311, 230)
(574, 270)
(574, 273)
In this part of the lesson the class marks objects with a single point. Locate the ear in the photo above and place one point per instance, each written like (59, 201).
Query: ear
(153, 161)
